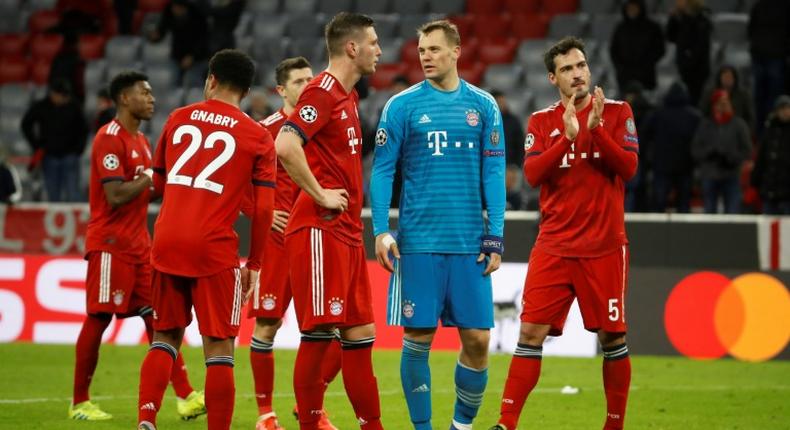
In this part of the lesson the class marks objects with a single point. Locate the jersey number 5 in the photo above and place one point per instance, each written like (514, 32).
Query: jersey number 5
(201, 180)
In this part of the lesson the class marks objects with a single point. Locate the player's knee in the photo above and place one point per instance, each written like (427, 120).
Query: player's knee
(608, 339)
(533, 334)
(422, 335)
(266, 328)
(358, 332)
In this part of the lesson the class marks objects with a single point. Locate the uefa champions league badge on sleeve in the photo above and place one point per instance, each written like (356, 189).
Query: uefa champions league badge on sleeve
(111, 162)
(308, 114)
(630, 126)
(381, 137)
(529, 141)
(494, 138)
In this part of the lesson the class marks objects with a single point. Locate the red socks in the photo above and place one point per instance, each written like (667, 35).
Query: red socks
(308, 386)
(154, 375)
(262, 363)
(178, 377)
(521, 379)
(87, 354)
(333, 361)
(360, 382)
(616, 382)
(220, 392)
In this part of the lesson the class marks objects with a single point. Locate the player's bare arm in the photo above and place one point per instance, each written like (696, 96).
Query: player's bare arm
(384, 244)
(280, 221)
(570, 120)
(289, 150)
(118, 193)
(596, 113)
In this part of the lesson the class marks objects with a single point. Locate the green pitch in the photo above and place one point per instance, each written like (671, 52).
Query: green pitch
(667, 393)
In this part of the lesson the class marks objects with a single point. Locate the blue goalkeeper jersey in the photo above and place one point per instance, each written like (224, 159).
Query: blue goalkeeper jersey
(451, 150)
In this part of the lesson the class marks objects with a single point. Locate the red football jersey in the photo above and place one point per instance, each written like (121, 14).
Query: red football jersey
(581, 199)
(326, 117)
(209, 153)
(116, 155)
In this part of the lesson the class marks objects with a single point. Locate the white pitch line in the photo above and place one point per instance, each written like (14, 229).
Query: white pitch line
(333, 393)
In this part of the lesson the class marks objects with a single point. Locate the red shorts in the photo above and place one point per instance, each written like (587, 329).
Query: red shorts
(329, 279)
(217, 300)
(115, 286)
(599, 283)
(272, 295)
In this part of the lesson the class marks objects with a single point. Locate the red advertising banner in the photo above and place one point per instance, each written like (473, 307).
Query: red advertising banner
(43, 228)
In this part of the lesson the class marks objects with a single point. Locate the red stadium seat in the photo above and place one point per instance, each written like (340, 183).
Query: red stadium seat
(15, 69)
(469, 48)
(385, 73)
(483, 7)
(473, 74)
(408, 52)
(152, 5)
(491, 26)
(13, 44)
(464, 24)
(42, 20)
(45, 45)
(414, 74)
(530, 26)
(91, 46)
(555, 7)
(498, 51)
(39, 72)
(137, 21)
(109, 26)
(522, 6)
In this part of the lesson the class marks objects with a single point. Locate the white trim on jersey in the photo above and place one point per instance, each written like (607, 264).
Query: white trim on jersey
(113, 128)
(409, 90)
(327, 82)
(271, 119)
(235, 313)
(488, 97)
(395, 308)
(317, 264)
(622, 286)
(256, 293)
(105, 274)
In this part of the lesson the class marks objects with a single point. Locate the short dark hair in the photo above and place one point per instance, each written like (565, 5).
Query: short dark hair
(561, 48)
(449, 29)
(232, 68)
(124, 80)
(343, 25)
(283, 69)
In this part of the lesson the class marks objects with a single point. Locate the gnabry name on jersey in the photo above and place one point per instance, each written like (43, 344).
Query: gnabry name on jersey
(213, 118)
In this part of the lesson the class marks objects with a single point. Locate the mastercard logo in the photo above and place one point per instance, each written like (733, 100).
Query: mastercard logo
(708, 315)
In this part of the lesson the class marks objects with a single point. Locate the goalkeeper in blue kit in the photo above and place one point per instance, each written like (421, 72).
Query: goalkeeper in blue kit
(446, 135)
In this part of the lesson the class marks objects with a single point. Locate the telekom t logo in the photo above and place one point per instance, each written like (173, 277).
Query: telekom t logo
(436, 141)
(353, 140)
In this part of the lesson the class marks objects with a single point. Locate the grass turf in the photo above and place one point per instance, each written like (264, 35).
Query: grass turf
(667, 393)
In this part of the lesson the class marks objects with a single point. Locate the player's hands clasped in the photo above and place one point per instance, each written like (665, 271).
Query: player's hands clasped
(596, 113)
(570, 120)
(384, 244)
(334, 199)
(279, 221)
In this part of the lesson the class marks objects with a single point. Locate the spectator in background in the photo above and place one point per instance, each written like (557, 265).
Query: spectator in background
(769, 39)
(636, 192)
(259, 106)
(10, 187)
(741, 98)
(68, 65)
(105, 109)
(771, 174)
(637, 45)
(514, 151)
(124, 12)
(665, 138)
(720, 146)
(189, 43)
(225, 16)
(689, 28)
(55, 127)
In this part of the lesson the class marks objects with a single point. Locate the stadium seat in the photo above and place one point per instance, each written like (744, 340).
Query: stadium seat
(530, 52)
(123, 49)
(168, 100)
(39, 71)
(411, 7)
(13, 44)
(385, 73)
(334, 6)
(522, 6)
(545, 96)
(95, 72)
(43, 20)
(387, 26)
(568, 25)
(556, 7)
(497, 51)
(408, 25)
(14, 97)
(42, 4)
(409, 53)
(486, 27)
(304, 27)
(268, 7)
(723, 6)
(313, 49)
(155, 53)
(91, 46)
(730, 27)
(414, 74)
(268, 27)
(116, 68)
(529, 26)
(484, 7)
(598, 6)
(10, 121)
(464, 24)
(521, 104)
(448, 7)
(390, 50)
(504, 77)
(147, 6)
(270, 51)
(737, 54)
(300, 6)
(157, 123)
(6, 5)
(193, 95)
(472, 73)
(373, 6)
(603, 25)
(45, 45)
(469, 53)
(162, 77)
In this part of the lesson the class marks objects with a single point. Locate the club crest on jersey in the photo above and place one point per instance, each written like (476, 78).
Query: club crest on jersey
(117, 297)
(630, 126)
(308, 114)
(408, 308)
(335, 306)
(529, 141)
(472, 118)
(495, 138)
(111, 162)
(268, 302)
(381, 137)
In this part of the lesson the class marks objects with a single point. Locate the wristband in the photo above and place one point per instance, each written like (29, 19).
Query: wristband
(492, 244)
(388, 240)
(149, 172)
